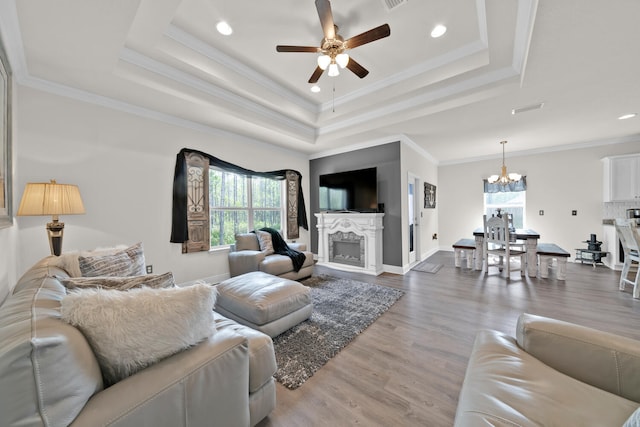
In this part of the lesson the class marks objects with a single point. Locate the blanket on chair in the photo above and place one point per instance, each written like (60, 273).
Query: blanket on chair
(281, 248)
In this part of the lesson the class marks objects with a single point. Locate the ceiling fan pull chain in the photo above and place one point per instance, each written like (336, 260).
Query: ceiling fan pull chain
(333, 98)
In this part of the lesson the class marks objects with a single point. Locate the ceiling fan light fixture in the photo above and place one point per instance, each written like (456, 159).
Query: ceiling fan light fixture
(438, 31)
(224, 28)
(315, 88)
(333, 70)
(324, 61)
(342, 59)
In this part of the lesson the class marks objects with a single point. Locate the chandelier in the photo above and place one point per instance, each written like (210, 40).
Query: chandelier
(504, 178)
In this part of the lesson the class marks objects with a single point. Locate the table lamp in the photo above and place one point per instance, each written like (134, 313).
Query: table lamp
(42, 199)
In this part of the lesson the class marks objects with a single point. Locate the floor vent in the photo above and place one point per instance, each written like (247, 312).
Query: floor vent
(393, 4)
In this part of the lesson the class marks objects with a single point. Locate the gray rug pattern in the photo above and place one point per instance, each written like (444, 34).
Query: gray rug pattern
(342, 308)
(427, 267)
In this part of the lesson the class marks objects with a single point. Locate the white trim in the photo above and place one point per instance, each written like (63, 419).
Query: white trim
(214, 280)
(544, 150)
(524, 32)
(480, 81)
(402, 138)
(92, 98)
(138, 59)
(192, 42)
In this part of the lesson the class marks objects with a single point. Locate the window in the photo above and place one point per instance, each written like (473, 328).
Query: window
(512, 202)
(239, 204)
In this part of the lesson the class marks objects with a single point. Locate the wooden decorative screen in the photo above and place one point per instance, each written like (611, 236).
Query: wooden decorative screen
(293, 231)
(197, 204)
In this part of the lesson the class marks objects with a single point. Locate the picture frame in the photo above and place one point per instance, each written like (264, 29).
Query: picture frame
(429, 196)
(6, 196)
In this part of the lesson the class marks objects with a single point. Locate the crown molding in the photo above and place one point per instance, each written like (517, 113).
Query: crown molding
(197, 45)
(525, 20)
(413, 103)
(147, 113)
(402, 138)
(545, 150)
(136, 58)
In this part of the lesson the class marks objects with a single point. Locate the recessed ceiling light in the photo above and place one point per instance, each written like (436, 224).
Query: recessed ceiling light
(438, 31)
(224, 28)
(627, 116)
(315, 88)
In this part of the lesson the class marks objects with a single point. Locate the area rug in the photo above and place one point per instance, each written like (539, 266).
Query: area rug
(427, 267)
(342, 308)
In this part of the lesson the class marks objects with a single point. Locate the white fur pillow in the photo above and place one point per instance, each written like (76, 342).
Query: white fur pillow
(130, 330)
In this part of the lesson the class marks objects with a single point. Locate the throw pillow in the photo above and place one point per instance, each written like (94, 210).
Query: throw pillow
(265, 241)
(69, 261)
(120, 283)
(128, 262)
(131, 330)
(247, 242)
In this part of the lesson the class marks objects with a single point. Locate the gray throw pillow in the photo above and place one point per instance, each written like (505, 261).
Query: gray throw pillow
(265, 241)
(127, 262)
(165, 280)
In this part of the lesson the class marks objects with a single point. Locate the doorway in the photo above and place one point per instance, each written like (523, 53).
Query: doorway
(413, 215)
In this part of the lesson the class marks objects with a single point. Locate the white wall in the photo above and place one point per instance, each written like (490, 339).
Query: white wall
(123, 164)
(557, 182)
(416, 163)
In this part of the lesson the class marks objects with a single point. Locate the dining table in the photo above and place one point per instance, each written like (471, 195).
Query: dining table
(530, 238)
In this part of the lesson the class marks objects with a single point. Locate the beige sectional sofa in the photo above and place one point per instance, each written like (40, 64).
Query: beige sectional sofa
(552, 373)
(49, 375)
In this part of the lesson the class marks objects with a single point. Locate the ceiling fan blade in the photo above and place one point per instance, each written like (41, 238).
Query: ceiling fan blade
(284, 48)
(326, 18)
(368, 36)
(316, 75)
(357, 69)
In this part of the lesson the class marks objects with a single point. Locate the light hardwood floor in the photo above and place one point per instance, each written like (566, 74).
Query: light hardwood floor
(407, 368)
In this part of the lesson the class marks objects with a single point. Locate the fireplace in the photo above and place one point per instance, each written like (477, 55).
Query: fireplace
(346, 248)
(350, 241)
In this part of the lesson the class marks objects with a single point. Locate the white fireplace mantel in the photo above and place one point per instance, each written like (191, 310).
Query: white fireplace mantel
(367, 225)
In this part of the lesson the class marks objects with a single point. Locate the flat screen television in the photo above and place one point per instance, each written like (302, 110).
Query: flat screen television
(352, 191)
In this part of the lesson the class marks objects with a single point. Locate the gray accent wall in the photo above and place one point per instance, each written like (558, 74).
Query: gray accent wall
(386, 158)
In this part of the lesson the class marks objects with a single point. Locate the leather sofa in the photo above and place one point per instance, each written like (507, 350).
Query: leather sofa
(49, 375)
(552, 373)
(246, 256)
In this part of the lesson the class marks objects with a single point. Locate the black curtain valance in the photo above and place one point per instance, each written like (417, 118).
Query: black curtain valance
(519, 185)
(179, 229)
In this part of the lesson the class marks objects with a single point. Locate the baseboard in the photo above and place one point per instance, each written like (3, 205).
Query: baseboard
(211, 279)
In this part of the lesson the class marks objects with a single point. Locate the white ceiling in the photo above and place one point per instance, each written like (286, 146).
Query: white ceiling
(451, 96)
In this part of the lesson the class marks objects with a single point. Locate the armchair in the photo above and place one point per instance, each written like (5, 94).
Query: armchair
(246, 256)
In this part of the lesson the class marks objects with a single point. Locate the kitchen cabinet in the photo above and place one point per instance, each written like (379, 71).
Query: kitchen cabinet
(621, 178)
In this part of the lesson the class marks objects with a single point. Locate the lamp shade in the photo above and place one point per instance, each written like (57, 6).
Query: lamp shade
(50, 199)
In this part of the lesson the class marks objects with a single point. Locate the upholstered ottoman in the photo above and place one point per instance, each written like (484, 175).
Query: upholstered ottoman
(268, 303)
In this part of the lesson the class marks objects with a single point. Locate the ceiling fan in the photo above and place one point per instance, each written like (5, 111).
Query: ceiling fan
(333, 46)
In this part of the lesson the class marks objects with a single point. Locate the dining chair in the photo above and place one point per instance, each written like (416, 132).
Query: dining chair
(497, 242)
(630, 239)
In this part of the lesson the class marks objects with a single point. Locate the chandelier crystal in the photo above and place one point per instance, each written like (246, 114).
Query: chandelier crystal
(504, 178)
